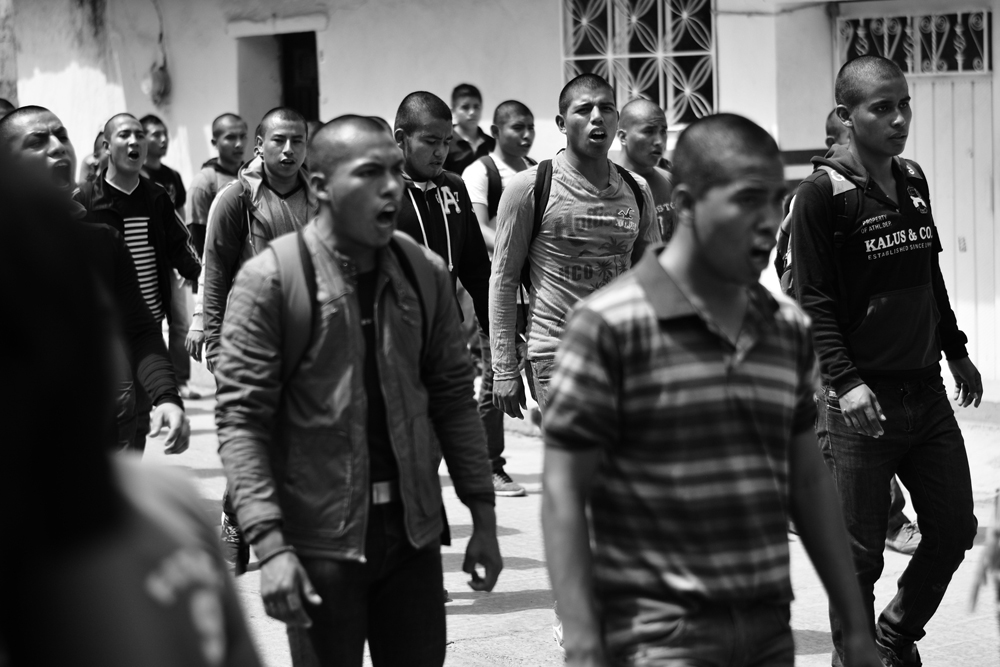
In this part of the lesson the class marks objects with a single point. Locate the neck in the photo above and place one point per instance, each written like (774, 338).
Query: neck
(632, 166)
(515, 162)
(363, 258)
(122, 180)
(281, 184)
(470, 135)
(595, 170)
(228, 166)
(681, 259)
(878, 167)
(153, 162)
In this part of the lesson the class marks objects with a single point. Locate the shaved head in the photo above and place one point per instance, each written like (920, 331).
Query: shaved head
(5, 107)
(638, 110)
(509, 109)
(338, 139)
(220, 122)
(858, 76)
(586, 82)
(278, 114)
(706, 148)
(36, 153)
(114, 121)
(419, 107)
(12, 123)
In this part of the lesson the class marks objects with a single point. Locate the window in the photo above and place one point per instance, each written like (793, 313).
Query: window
(663, 50)
(921, 44)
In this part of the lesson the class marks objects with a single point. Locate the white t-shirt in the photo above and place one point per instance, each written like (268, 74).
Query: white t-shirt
(477, 181)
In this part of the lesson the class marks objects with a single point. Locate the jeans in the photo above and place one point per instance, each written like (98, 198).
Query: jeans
(542, 370)
(923, 444)
(721, 636)
(180, 322)
(395, 600)
(491, 417)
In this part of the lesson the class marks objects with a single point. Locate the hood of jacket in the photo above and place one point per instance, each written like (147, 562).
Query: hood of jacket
(251, 178)
(841, 158)
(213, 164)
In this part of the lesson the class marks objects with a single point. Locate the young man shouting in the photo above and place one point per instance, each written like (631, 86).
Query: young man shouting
(679, 435)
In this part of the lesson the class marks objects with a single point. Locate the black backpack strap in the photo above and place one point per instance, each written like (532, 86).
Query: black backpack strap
(543, 184)
(494, 185)
(634, 185)
(297, 277)
(420, 274)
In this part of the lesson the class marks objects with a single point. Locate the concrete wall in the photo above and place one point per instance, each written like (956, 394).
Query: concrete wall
(89, 59)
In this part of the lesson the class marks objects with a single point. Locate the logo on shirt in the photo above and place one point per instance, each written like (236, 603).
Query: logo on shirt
(918, 200)
(626, 215)
(450, 200)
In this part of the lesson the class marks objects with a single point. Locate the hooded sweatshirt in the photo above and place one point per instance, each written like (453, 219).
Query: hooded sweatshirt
(243, 220)
(444, 221)
(878, 301)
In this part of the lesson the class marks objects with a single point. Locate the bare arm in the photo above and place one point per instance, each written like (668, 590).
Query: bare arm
(567, 479)
(489, 232)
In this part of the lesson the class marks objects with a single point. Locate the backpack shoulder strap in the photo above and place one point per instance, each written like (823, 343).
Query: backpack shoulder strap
(543, 183)
(634, 186)
(494, 185)
(531, 163)
(420, 273)
(297, 277)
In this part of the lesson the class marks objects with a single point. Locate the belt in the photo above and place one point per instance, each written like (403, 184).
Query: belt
(384, 493)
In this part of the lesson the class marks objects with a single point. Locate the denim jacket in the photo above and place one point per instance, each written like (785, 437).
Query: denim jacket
(297, 454)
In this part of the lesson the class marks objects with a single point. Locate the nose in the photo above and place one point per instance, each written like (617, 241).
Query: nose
(596, 117)
(287, 148)
(56, 147)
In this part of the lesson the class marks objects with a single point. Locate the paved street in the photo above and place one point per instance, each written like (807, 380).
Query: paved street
(512, 625)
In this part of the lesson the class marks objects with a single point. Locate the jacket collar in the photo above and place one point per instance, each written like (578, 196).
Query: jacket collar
(386, 262)
(251, 177)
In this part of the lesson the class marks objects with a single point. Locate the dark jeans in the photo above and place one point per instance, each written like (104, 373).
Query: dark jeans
(395, 600)
(923, 444)
(741, 636)
(491, 417)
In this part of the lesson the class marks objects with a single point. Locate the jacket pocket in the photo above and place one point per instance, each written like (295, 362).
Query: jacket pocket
(898, 332)
(319, 482)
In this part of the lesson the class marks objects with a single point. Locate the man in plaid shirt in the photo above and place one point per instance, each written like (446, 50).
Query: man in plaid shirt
(681, 413)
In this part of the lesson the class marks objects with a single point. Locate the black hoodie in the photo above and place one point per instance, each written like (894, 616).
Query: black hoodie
(878, 302)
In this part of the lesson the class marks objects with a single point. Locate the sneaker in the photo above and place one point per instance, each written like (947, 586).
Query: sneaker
(447, 599)
(234, 548)
(906, 540)
(557, 634)
(503, 485)
(187, 393)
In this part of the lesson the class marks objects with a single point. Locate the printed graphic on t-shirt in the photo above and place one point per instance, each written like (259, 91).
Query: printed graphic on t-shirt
(137, 240)
(450, 199)
(893, 233)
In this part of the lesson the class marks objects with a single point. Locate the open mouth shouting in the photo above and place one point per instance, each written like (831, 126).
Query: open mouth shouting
(600, 135)
(133, 154)
(62, 174)
(386, 218)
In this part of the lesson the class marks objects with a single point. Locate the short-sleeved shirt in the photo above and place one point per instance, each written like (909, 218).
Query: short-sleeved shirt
(477, 181)
(661, 184)
(690, 504)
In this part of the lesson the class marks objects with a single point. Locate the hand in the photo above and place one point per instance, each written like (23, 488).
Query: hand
(968, 382)
(862, 411)
(594, 658)
(508, 396)
(521, 347)
(483, 550)
(178, 427)
(194, 343)
(859, 650)
(283, 584)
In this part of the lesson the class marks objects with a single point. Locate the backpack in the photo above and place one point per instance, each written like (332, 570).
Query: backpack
(298, 292)
(847, 204)
(494, 184)
(543, 183)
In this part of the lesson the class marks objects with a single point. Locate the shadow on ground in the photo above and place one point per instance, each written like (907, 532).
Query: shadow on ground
(499, 603)
(464, 530)
(812, 642)
(453, 562)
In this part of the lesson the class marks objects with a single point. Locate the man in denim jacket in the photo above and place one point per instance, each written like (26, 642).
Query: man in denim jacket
(334, 472)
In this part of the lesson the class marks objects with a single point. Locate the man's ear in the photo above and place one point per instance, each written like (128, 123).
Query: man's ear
(621, 136)
(495, 132)
(561, 123)
(398, 134)
(683, 201)
(215, 143)
(844, 114)
(317, 183)
(258, 145)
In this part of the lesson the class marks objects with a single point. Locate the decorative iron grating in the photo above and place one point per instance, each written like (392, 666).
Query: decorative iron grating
(663, 50)
(922, 44)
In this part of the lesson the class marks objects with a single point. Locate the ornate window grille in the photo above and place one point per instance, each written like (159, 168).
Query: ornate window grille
(663, 50)
(922, 44)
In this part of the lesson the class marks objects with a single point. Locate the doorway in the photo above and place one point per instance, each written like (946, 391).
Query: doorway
(277, 70)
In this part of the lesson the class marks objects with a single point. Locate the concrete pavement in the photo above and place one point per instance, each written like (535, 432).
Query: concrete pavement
(512, 625)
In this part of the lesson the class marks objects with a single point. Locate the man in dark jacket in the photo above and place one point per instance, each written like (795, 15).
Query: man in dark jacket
(872, 284)
(34, 143)
(155, 237)
(333, 466)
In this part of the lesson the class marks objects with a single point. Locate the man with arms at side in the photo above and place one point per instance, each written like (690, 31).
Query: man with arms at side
(872, 286)
(514, 132)
(679, 430)
(333, 455)
(229, 137)
(642, 131)
(142, 212)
